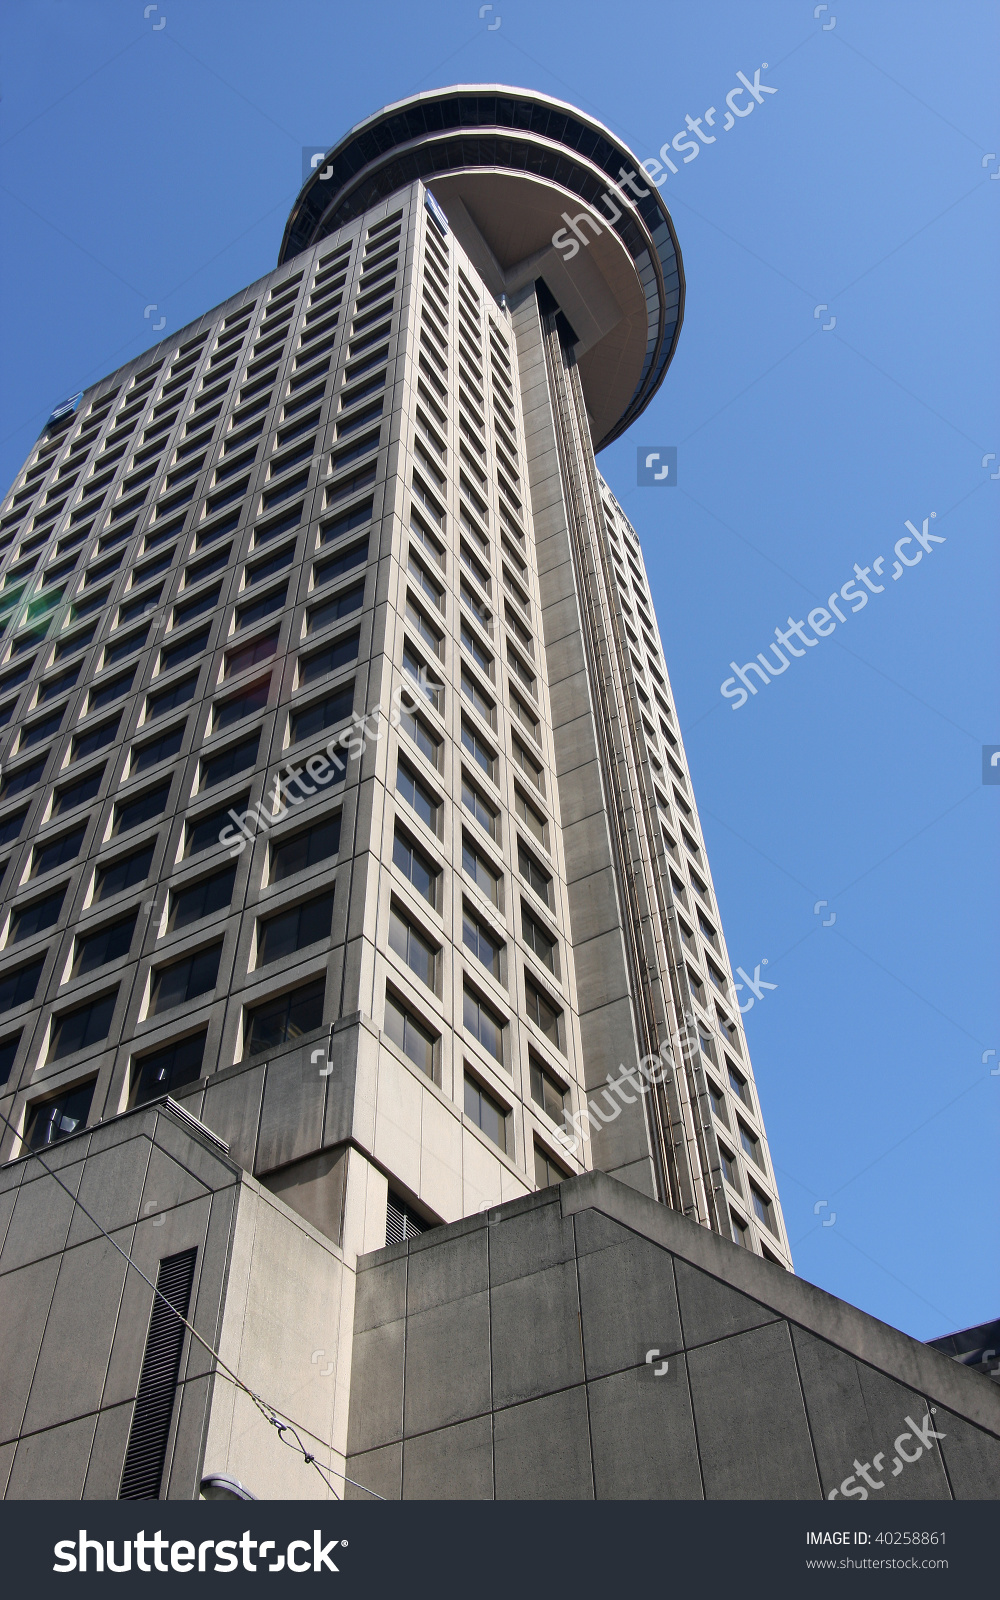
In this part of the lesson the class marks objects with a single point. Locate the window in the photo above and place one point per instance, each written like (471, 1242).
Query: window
(305, 849)
(478, 868)
(8, 1053)
(697, 987)
(23, 778)
(77, 794)
(243, 705)
(409, 944)
(228, 763)
(538, 939)
(751, 1144)
(416, 868)
(58, 851)
(342, 605)
(524, 715)
(10, 828)
(334, 656)
(487, 1114)
(184, 980)
(544, 1013)
(35, 732)
(145, 806)
(480, 655)
(546, 1091)
(57, 1119)
(485, 945)
(482, 1022)
(718, 1104)
(18, 987)
(251, 654)
(416, 728)
(266, 606)
(201, 899)
(355, 556)
(485, 814)
(522, 671)
(124, 873)
(28, 920)
(167, 1070)
(763, 1209)
(276, 563)
(707, 929)
(423, 579)
(86, 1025)
(321, 714)
(528, 765)
(294, 929)
(433, 638)
(739, 1084)
(158, 704)
(415, 1041)
(729, 1167)
(547, 1169)
(107, 944)
(479, 750)
(416, 795)
(193, 645)
(478, 700)
(533, 874)
(741, 1233)
(432, 688)
(152, 753)
(287, 1017)
(427, 539)
(532, 819)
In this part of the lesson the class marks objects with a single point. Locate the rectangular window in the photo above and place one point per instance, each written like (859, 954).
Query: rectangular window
(479, 750)
(203, 834)
(547, 1091)
(107, 944)
(266, 606)
(56, 1119)
(142, 809)
(227, 712)
(485, 945)
(416, 729)
(739, 1085)
(82, 1027)
(486, 815)
(482, 1022)
(430, 687)
(534, 874)
(763, 1209)
(266, 569)
(478, 700)
(423, 802)
(544, 1013)
(28, 920)
(410, 1036)
(184, 650)
(412, 947)
(56, 852)
(154, 751)
(23, 778)
(321, 714)
(532, 819)
(482, 873)
(432, 637)
(167, 1070)
(718, 1104)
(18, 987)
(354, 556)
(305, 849)
(124, 873)
(487, 1114)
(8, 1054)
(524, 715)
(478, 652)
(729, 1168)
(228, 763)
(547, 1169)
(424, 581)
(184, 980)
(10, 827)
(427, 539)
(751, 1145)
(202, 899)
(79, 793)
(538, 939)
(177, 695)
(294, 929)
(250, 655)
(528, 765)
(287, 1017)
(335, 655)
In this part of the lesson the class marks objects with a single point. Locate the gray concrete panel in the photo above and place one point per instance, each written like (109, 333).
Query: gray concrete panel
(628, 1302)
(447, 1373)
(535, 1325)
(53, 1465)
(454, 1463)
(376, 1387)
(541, 1450)
(711, 1310)
(643, 1436)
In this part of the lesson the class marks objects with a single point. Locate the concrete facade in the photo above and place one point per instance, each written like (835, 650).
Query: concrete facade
(505, 1357)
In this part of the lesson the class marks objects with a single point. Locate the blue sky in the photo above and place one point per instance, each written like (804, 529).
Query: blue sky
(146, 166)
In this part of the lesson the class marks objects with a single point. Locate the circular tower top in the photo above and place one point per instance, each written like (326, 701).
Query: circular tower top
(512, 168)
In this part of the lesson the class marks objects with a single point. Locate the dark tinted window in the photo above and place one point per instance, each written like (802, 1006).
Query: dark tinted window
(166, 1070)
(201, 899)
(294, 929)
(106, 944)
(305, 849)
(288, 1017)
(185, 980)
(87, 1025)
(57, 1119)
(124, 873)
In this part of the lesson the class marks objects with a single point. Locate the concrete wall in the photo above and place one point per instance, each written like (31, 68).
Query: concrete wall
(268, 1289)
(505, 1357)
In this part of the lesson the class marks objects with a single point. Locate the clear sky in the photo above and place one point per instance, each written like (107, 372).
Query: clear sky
(146, 165)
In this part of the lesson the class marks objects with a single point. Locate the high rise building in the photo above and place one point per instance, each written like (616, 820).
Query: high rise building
(344, 802)
(367, 483)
